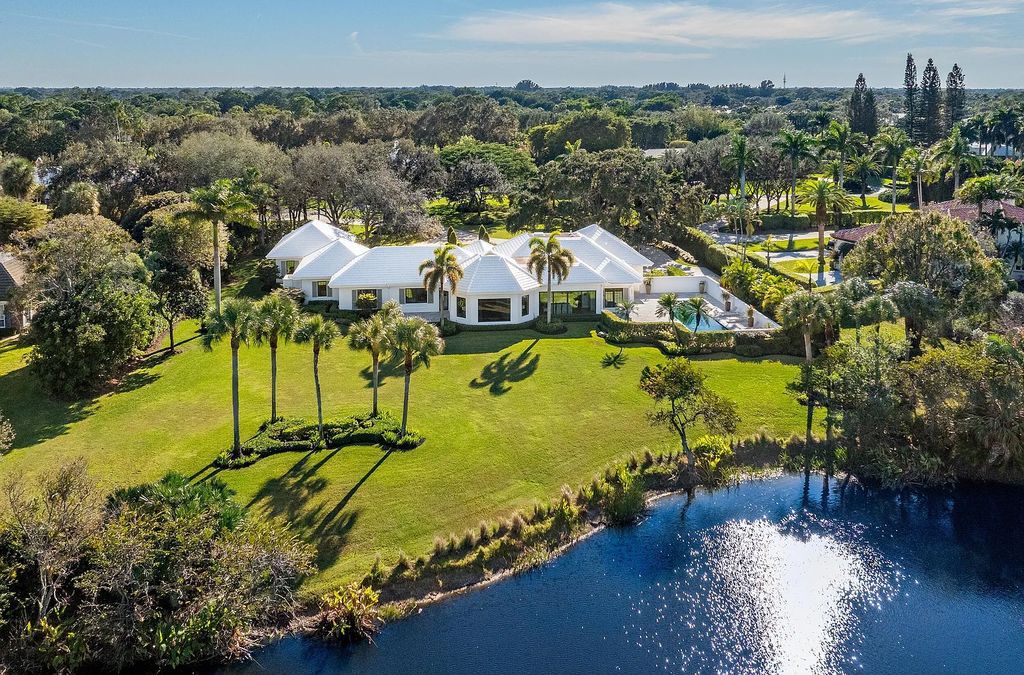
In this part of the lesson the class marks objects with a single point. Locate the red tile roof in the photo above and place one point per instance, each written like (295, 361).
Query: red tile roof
(969, 212)
(855, 234)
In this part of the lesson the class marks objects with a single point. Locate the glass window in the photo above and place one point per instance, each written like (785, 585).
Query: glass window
(566, 303)
(289, 266)
(494, 309)
(613, 297)
(444, 299)
(460, 307)
(414, 296)
(526, 306)
(3, 315)
(320, 289)
(366, 298)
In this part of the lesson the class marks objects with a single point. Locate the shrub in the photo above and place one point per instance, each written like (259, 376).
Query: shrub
(711, 453)
(366, 302)
(393, 438)
(553, 328)
(624, 503)
(349, 614)
(266, 274)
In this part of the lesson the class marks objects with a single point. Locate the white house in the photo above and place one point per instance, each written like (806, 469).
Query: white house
(497, 288)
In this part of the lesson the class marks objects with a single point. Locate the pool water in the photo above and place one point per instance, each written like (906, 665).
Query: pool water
(784, 575)
(706, 323)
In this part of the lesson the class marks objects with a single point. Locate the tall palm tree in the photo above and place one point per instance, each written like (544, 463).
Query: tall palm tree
(954, 154)
(219, 203)
(863, 167)
(797, 146)
(808, 312)
(234, 323)
(737, 159)
(413, 340)
(627, 308)
(825, 196)
(320, 333)
(891, 143)
(443, 267)
(548, 256)
(917, 166)
(700, 310)
(274, 321)
(373, 335)
(844, 142)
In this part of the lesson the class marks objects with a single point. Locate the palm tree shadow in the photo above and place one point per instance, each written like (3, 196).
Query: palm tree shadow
(614, 360)
(498, 374)
(390, 367)
(327, 522)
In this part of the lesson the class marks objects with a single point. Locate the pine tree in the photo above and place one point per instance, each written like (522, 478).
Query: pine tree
(910, 97)
(955, 97)
(931, 104)
(863, 113)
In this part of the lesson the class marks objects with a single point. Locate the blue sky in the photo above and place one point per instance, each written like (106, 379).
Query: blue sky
(410, 42)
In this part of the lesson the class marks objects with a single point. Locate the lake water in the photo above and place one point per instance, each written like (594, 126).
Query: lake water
(771, 576)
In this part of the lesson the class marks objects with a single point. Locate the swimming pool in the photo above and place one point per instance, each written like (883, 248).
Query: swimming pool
(706, 323)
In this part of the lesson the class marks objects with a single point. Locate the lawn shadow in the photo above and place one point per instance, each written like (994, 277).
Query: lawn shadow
(614, 360)
(487, 342)
(498, 375)
(390, 367)
(327, 522)
(35, 415)
(727, 356)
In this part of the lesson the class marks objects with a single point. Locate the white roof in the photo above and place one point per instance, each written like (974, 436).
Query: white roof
(518, 246)
(324, 263)
(491, 273)
(307, 239)
(606, 265)
(614, 245)
(387, 266)
(478, 247)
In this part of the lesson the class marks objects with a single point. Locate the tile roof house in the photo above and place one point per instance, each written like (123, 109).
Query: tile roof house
(12, 275)
(496, 288)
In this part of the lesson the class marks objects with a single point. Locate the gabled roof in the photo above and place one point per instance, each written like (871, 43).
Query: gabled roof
(491, 273)
(325, 262)
(955, 208)
(614, 245)
(12, 274)
(518, 246)
(478, 247)
(855, 234)
(387, 266)
(607, 266)
(307, 239)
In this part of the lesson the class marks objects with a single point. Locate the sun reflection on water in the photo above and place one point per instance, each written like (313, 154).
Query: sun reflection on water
(758, 596)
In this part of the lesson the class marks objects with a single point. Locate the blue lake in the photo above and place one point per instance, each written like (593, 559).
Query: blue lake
(779, 575)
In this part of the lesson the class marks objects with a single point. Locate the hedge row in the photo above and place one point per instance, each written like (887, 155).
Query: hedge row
(663, 336)
(803, 221)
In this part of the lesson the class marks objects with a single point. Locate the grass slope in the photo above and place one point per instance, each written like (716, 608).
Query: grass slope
(509, 417)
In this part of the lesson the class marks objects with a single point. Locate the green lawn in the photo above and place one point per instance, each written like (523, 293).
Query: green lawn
(509, 418)
(783, 243)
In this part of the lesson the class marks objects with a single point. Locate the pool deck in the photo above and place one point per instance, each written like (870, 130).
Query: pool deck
(647, 312)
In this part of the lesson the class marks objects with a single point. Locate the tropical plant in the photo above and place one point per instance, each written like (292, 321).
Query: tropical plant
(275, 321)
(233, 323)
(797, 146)
(737, 159)
(443, 267)
(373, 335)
(806, 311)
(844, 142)
(864, 167)
(917, 305)
(825, 196)
(17, 177)
(628, 308)
(548, 257)
(954, 154)
(413, 340)
(320, 334)
(918, 166)
(891, 143)
(217, 204)
(993, 187)
(669, 307)
(699, 310)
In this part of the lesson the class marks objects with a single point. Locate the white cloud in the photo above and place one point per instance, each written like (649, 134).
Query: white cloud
(693, 24)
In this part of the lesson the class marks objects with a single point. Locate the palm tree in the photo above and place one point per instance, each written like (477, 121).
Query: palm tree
(321, 334)
(808, 312)
(233, 322)
(737, 158)
(627, 308)
(844, 142)
(275, 319)
(548, 256)
(825, 196)
(797, 146)
(373, 335)
(669, 306)
(444, 266)
(891, 143)
(954, 154)
(864, 167)
(917, 166)
(219, 203)
(700, 310)
(413, 340)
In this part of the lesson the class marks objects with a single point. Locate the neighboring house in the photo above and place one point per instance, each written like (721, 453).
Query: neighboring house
(843, 241)
(969, 213)
(497, 288)
(12, 275)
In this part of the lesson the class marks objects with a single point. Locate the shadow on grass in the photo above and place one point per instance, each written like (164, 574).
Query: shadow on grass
(486, 342)
(498, 375)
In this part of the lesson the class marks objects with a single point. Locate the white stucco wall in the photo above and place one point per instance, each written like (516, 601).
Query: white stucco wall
(690, 285)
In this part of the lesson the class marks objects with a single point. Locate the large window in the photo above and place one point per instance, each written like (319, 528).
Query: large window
(415, 296)
(320, 290)
(526, 306)
(565, 303)
(494, 309)
(366, 298)
(613, 297)
(460, 307)
(289, 266)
